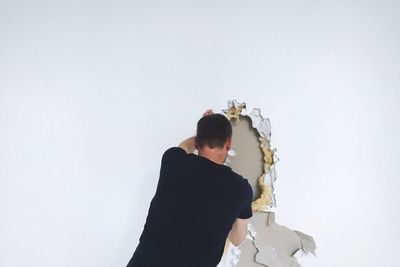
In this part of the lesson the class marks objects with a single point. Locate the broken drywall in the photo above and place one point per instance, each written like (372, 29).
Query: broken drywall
(268, 243)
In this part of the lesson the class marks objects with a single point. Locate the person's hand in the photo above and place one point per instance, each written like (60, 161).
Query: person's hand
(208, 112)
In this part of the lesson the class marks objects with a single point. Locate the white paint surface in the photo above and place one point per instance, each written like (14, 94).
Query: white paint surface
(93, 92)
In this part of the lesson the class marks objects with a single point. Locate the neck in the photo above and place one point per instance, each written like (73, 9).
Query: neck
(216, 155)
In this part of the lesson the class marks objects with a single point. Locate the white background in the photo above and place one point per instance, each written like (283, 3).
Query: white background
(93, 92)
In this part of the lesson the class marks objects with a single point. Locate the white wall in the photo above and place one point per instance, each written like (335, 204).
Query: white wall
(93, 92)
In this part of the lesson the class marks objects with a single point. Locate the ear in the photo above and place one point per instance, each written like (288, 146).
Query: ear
(228, 143)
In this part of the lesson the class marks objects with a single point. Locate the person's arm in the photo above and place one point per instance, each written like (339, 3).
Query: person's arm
(188, 145)
(238, 232)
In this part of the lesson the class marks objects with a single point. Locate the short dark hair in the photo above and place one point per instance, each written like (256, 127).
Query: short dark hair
(213, 130)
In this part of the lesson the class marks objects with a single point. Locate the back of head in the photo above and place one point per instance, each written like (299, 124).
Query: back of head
(213, 130)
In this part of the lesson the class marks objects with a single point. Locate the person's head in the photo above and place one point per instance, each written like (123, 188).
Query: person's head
(214, 132)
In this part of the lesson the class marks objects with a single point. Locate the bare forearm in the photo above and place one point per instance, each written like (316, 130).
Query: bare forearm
(188, 145)
(238, 232)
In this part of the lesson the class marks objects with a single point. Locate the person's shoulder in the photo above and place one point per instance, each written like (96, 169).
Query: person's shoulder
(243, 183)
(173, 152)
(239, 178)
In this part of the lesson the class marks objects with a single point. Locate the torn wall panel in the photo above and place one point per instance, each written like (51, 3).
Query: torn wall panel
(268, 243)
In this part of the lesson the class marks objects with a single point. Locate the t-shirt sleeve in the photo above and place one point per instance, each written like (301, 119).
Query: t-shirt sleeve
(247, 211)
(172, 157)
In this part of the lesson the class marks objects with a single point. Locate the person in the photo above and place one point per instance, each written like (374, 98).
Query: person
(198, 204)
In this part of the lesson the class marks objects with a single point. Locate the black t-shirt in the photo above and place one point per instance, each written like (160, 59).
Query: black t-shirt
(192, 212)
